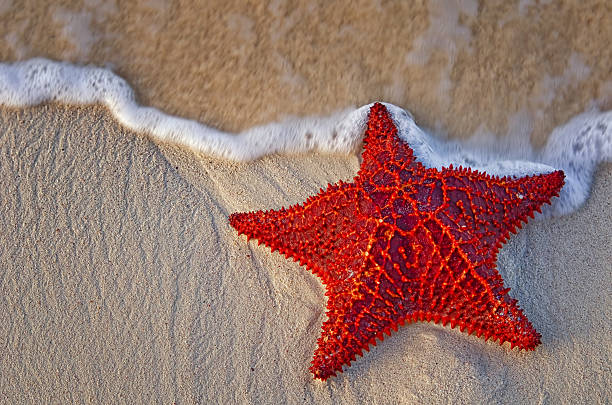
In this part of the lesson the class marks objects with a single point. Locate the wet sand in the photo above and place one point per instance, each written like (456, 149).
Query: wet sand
(122, 280)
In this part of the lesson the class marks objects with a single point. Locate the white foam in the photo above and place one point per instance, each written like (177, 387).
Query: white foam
(40, 80)
(576, 147)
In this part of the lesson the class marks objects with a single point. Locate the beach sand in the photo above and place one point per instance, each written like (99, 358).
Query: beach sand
(121, 280)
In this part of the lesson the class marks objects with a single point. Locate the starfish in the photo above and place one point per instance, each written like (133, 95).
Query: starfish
(405, 243)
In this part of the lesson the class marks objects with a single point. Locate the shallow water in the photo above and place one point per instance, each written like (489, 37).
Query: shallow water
(510, 68)
(577, 147)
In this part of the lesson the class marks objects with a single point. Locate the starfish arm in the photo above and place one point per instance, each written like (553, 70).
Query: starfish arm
(385, 154)
(474, 298)
(412, 276)
(357, 315)
(491, 207)
(327, 241)
(530, 193)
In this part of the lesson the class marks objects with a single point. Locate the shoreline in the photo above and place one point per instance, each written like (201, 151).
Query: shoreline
(121, 279)
(122, 270)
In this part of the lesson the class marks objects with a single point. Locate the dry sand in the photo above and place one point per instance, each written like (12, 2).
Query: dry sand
(122, 281)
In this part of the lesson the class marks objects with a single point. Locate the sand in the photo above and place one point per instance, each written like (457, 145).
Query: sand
(122, 281)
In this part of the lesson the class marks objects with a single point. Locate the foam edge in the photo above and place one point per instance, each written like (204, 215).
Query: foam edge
(576, 147)
(40, 80)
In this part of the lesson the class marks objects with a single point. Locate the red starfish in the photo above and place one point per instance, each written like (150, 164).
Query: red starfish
(405, 243)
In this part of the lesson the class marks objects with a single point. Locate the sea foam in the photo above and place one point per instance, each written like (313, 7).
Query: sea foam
(576, 147)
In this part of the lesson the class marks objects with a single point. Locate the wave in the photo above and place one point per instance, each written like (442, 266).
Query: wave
(576, 147)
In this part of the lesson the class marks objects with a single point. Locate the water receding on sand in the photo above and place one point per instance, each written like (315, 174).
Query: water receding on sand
(577, 147)
(460, 67)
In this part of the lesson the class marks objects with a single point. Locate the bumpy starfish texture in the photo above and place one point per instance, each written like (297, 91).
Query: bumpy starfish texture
(405, 243)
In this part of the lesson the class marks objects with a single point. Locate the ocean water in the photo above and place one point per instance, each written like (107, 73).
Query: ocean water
(576, 147)
(496, 76)
(178, 309)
